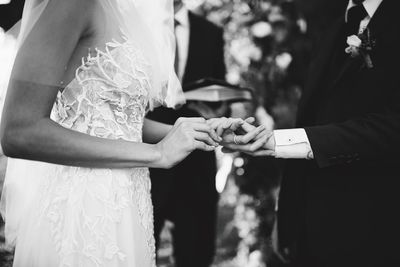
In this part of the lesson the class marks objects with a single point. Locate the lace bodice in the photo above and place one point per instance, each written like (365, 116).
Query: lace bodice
(108, 98)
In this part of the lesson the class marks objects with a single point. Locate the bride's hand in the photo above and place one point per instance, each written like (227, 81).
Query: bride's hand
(187, 135)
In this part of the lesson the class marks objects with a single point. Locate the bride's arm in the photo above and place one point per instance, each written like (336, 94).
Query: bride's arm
(29, 133)
(154, 132)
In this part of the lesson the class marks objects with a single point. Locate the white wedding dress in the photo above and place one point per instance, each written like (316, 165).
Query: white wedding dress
(94, 217)
(63, 216)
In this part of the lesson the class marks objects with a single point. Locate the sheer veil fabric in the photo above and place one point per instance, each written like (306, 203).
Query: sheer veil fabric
(144, 24)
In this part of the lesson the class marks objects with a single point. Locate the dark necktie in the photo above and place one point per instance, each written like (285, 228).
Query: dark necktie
(354, 17)
(176, 65)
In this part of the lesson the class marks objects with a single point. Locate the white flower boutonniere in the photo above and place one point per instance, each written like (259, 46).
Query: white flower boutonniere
(361, 46)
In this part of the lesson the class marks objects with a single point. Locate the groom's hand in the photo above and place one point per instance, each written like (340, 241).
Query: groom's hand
(235, 131)
(262, 145)
(246, 138)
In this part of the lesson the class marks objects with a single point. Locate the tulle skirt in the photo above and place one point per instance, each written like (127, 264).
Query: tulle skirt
(68, 216)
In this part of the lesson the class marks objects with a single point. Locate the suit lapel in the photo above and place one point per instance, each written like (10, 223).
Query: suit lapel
(351, 65)
(319, 67)
(380, 21)
(377, 26)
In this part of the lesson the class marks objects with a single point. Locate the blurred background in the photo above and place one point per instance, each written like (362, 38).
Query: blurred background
(269, 45)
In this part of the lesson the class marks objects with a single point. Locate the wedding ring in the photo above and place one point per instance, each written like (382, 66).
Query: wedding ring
(235, 140)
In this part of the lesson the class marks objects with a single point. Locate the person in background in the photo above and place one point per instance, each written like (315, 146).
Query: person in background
(186, 194)
(10, 13)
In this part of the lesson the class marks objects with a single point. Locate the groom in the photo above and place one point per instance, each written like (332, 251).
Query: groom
(339, 204)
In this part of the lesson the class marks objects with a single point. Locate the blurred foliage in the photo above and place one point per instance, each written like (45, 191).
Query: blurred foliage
(267, 49)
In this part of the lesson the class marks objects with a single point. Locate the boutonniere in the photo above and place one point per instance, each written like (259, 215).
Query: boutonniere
(361, 46)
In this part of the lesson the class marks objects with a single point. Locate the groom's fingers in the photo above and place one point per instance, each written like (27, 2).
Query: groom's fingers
(245, 139)
(263, 153)
(227, 150)
(264, 133)
(214, 123)
(246, 147)
(239, 148)
(261, 135)
(246, 150)
(247, 127)
(250, 120)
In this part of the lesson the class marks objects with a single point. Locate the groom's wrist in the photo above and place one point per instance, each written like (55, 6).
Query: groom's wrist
(292, 143)
(271, 143)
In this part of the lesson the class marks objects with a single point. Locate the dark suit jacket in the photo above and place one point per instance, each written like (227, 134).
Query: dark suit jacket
(196, 174)
(342, 209)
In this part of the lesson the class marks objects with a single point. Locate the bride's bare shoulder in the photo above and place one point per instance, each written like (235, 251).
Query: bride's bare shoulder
(72, 9)
(68, 14)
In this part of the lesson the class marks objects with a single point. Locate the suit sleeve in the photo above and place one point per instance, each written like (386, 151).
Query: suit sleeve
(375, 136)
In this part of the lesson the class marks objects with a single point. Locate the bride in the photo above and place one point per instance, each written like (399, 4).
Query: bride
(86, 73)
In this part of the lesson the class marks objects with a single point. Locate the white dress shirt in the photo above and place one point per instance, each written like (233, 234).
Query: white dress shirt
(182, 33)
(294, 143)
(370, 6)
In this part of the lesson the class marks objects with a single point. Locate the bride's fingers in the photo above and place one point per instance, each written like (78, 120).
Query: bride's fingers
(221, 126)
(229, 124)
(259, 143)
(203, 127)
(194, 120)
(203, 146)
(204, 137)
(236, 124)
(215, 124)
(225, 124)
(212, 122)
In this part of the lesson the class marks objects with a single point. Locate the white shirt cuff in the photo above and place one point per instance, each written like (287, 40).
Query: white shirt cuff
(292, 144)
